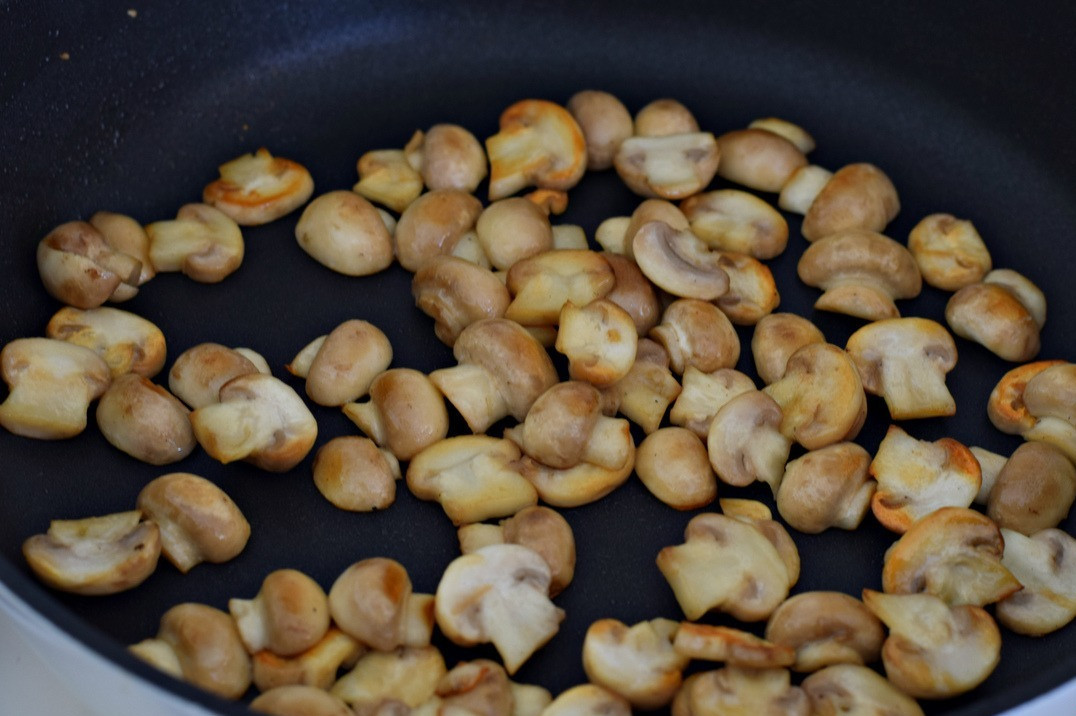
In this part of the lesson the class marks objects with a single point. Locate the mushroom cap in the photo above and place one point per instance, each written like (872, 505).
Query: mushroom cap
(199, 372)
(738, 691)
(605, 123)
(1030, 295)
(299, 700)
(368, 601)
(745, 442)
(853, 688)
(540, 285)
(1051, 393)
(651, 210)
(992, 316)
(678, 262)
(539, 143)
(126, 236)
(476, 687)
(637, 662)
(258, 188)
(354, 474)
(599, 340)
(673, 465)
(949, 251)
(732, 646)
(588, 700)
(752, 291)
(545, 531)
(672, 166)
(407, 677)
(451, 158)
(663, 117)
(387, 177)
(559, 426)
(145, 421)
(433, 224)
(758, 158)
(79, 268)
(317, 666)
(858, 196)
(825, 628)
(344, 232)
(211, 654)
(703, 394)
(1045, 563)
(202, 242)
(696, 333)
(513, 229)
(790, 131)
(828, 487)
(347, 362)
(1006, 408)
(1034, 490)
(406, 412)
(289, 615)
(456, 293)
(633, 292)
(776, 337)
(128, 343)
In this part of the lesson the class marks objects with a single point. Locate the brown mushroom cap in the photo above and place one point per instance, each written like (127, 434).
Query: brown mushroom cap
(207, 644)
(145, 421)
(543, 530)
(673, 465)
(1006, 408)
(1034, 490)
(776, 337)
(739, 691)
(354, 474)
(432, 224)
(79, 268)
(858, 196)
(125, 235)
(696, 333)
(513, 229)
(633, 292)
(599, 340)
(826, 628)
(199, 372)
(651, 210)
(994, 317)
(758, 159)
(558, 427)
(406, 412)
(752, 293)
(289, 615)
(299, 700)
(1030, 295)
(792, 132)
(854, 688)
(678, 262)
(456, 293)
(476, 687)
(745, 443)
(949, 251)
(450, 157)
(637, 662)
(828, 487)
(368, 601)
(663, 117)
(1050, 397)
(127, 342)
(588, 700)
(605, 123)
(734, 220)
(347, 362)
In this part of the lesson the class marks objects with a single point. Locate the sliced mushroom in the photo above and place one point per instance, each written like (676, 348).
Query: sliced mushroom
(776, 337)
(1034, 490)
(663, 117)
(1045, 563)
(405, 413)
(856, 689)
(125, 235)
(790, 131)
(354, 474)
(538, 144)
(644, 394)
(703, 394)
(737, 691)
(949, 251)
(605, 123)
(679, 262)
(542, 284)
(387, 177)
(857, 196)
(344, 364)
(802, 188)
(289, 614)
(408, 675)
(1006, 408)
(513, 229)
(456, 293)
(828, 487)
(434, 224)
(599, 340)
(1049, 398)
(652, 210)
(672, 166)
(128, 343)
(637, 662)
(990, 464)
(145, 421)
(202, 242)
(79, 268)
(673, 465)
(732, 646)
(449, 157)
(745, 442)
(258, 188)
(372, 602)
(537, 527)
(588, 700)
(95, 555)
(752, 293)
(480, 687)
(633, 292)
(993, 316)
(317, 666)
(298, 700)
(696, 333)
(825, 628)
(758, 158)
(198, 521)
(199, 372)
(1030, 295)
(612, 235)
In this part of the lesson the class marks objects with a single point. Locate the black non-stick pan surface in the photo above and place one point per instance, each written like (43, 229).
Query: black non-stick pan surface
(967, 106)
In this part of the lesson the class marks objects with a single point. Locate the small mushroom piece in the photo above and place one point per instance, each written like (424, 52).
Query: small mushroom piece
(1050, 397)
(652, 210)
(198, 521)
(405, 413)
(1034, 490)
(861, 273)
(258, 188)
(752, 291)
(916, 477)
(678, 262)
(299, 700)
(790, 131)
(933, 650)
(856, 689)
(993, 316)
(544, 530)
(386, 177)
(673, 166)
(346, 363)
(538, 144)
(434, 224)
(480, 688)
(206, 647)
(990, 465)
(801, 189)
(50, 386)
(736, 221)
(540, 285)
(449, 157)
(663, 117)
(949, 251)
(644, 394)
(317, 666)
(456, 293)
(354, 474)
(905, 360)
(828, 487)
(125, 235)
(599, 340)
(1030, 295)
(637, 662)
(776, 337)
(612, 235)
(513, 229)
(605, 123)
(259, 419)
(826, 628)
(857, 196)
(408, 676)
(202, 242)
(588, 700)
(703, 394)
(95, 555)
(79, 268)
(289, 615)
(821, 396)
(732, 646)
(633, 292)
(1006, 408)
(954, 554)
(344, 232)
(696, 333)
(673, 465)
(1045, 563)
(473, 477)
(738, 691)
(502, 370)
(498, 594)
(745, 442)
(127, 342)
(758, 158)
(372, 600)
(726, 564)
(145, 421)
(199, 372)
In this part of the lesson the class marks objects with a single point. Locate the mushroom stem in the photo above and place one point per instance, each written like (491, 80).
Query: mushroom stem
(906, 388)
(474, 393)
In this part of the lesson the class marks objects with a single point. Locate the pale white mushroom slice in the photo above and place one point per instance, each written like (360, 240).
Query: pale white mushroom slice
(127, 236)
(605, 123)
(696, 333)
(857, 196)
(953, 553)
(673, 465)
(258, 188)
(644, 394)
(637, 662)
(905, 361)
(540, 285)
(745, 442)
(856, 690)
(498, 594)
(933, 650)
(199, 372)
(340, 367)
(79, 268)
(288, 615)
(731, 646)
(994, 317)
(776, 337)
(387, 178)
(990, 465)
(513, 229)
(789, 130)
(821, 396)
(663, 117)
(473, 477)
(802, 187)
(612, 235)
(95, 555)
(672, 166)
(145, 421)
(738, 691)
(1030, 295)
(373, 602)
(456, 293)
(828, 487)
(599, 340)
(916, 477)
(703, 394)
(259, 419)
(405, 414)
(678, 262)
(202, 242)
(317, 666)
(736, 221)
(752, 292)
(299, 700)
(538, 144)
(758, 158)
(949, 251)
(448, 156)
(354, 474)
(824, 628)
(1045, 563)
(50, 386)
(434, 224)
(344, 232)
(588, 700)
(408, 675)
(198, 521)
(127, 342)
(728, 565)
(1034, 490)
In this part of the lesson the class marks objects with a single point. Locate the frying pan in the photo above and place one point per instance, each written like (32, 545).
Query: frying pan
(967, 107)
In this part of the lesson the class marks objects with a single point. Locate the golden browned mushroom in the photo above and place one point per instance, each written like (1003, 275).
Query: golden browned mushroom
(949, 251)
(644, 394)
(1050, 397)
(825, 628)
(289, 615)
(258, 188)
(790, 131)
(1006, 408)
(387, 177)
(732, 646)
(637, 662)
(434, 224)
(802, 187)
(663, 117)
(345, 363)
(372, 601)
(299, 700)
(678, 262)
(202, 242)
(145, 421)
(449, 157)
(199, 372)
(672, 166)
(633, 292)
(993, 316)
(1028, 293)
(828, 487)
(776, 337)
(738, 691)
(407, 677)
(745, 442)
(696, 333)
(538, 144)
(758, 159)
(673, 465)
(79, 268)
(456, 293)
(599, 340)
(857, 196)
(50, 386)
(542, 284)
(125, 235)
(852, 688)
(127, 342)
(703, 394)
(513, 229)
(344, 232)
(354, 474)
(95, 555)
(405, 413)
(605, 123)
(752, 293)
(650, 210)
(734, 220)
(588, 700)
(1034, 490)
(317, 666)
(197, 519)
(480, 687)
(861, 273)
(1045, 563)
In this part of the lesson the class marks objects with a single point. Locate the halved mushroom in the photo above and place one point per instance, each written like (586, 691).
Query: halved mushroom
(732, 646)
(933, 650)
(1034, 490)
(738, 691)
(198, 521)
(802, 188)
(538, 144)
(633, 292)
(513, 229)
(1006, 408)
(407, 676)
(1045, 563)
(678, 262)
(199, 372)
(406, 413)
(949, 251)
(448, 156)
(599, 340)
(125, 235)
(651, 210)
(79, 268)
(905, 360)
(289, 614)
(828, 487)
(344, 232)
(1050, 397)
(498, 594)
(758, 158)
(821, 396)
(776, 337)
(127, 342)
(663, 117)
(1030, 295)
(993, 316)
(637, 662)
(145, 421)
(588, 700)
(479, 688)
(856, 689)
(790, 131)
(696, 333)
(953, 553)
(825, 628)
(317, 666)
(50, 386)
(372, 601)
(456, 293)
(387, 177)
(752, 293)
(202, 242)
(857, 196)
(612, 235)
(258, 188)
(673, 166)
(259, 419)
(703, 394)
(473, 477)
(861, 273)
(340, 367)
(673, 465)
(605, 123)
(433, 224)
(95, 555)
(298, 700)
(916, 477)
(644, 394)
(542, 284)
(745, 442)
(354, 474)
